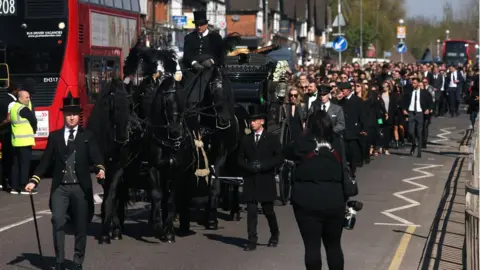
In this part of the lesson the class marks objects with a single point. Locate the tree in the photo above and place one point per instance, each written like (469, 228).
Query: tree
(353, 36)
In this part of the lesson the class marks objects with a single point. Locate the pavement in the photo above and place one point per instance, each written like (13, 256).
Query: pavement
(401, 194)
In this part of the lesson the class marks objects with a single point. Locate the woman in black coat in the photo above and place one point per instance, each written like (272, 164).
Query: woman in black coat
(317, 193)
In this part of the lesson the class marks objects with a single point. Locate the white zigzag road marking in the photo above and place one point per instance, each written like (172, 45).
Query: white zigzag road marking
(446, 131)
(412, 203)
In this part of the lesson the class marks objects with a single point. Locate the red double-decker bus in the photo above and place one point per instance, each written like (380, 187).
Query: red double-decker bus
(459, 51)
(65, 46)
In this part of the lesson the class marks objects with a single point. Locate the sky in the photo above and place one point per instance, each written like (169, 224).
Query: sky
(429, 8)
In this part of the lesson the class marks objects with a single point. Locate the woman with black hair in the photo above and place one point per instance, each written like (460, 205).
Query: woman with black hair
(317, 193)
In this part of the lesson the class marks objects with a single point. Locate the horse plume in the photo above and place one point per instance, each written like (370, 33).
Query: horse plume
(131, 62)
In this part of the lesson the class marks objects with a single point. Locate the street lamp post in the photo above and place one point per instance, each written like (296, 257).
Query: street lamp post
(438, 48)
(361, 31)
(447, 34)
(339, 32)
(401, 22)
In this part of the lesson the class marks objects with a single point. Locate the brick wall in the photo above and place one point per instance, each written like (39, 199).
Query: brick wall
(245, 26)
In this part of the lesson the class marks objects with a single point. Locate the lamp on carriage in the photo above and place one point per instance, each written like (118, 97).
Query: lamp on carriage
(447, 34)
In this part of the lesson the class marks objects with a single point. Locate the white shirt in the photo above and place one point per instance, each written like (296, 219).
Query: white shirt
(10, 105)
(415, 93)
(67, 133)
(327, 105)
(453, 78)
(311, 99)
(349, 96)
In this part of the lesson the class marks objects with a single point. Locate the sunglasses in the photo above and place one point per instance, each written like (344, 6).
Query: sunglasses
(293, 95)
(343, 77)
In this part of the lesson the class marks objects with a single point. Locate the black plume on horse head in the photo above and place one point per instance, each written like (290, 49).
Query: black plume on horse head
(151, 58)
(133, 58)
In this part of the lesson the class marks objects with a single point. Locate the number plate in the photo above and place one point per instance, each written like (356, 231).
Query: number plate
(8, 7)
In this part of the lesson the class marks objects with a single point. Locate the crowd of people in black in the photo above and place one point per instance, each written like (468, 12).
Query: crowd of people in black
(348, 115)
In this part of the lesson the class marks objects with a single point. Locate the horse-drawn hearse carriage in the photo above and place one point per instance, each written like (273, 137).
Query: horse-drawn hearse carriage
(154, 139)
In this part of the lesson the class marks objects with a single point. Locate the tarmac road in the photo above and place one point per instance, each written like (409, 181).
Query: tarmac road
(368, 246)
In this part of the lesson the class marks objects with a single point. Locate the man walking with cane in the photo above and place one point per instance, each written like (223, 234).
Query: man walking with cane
(71, 150)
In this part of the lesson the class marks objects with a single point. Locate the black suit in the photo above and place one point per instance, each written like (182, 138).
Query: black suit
(438, 83)
(199, 48)
(416, 119)
(76, 199)
(260, 186)
(429, 76)
(6, 140)
(355, 119)
(454, 92)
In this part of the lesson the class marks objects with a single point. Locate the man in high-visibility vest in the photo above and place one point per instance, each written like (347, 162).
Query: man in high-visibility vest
(24, 127)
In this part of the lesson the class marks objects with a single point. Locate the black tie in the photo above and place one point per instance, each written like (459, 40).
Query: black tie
(257, 137)
(324, 108)
(415, 101)
(71, 140)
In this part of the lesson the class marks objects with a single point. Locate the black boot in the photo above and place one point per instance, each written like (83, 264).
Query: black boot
(273, 242)
(251, 246)
(396, 145)
(412, 150)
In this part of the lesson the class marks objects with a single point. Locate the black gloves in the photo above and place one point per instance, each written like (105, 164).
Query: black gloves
(197, 66)
(256, 166)
(207, 63)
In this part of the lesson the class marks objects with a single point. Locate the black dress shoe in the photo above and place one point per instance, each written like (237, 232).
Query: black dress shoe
(273, 242)
(77, 266)
(412, 150)
(59, 266)
(250, 246)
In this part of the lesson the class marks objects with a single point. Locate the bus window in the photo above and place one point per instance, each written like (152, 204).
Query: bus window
(98, 72)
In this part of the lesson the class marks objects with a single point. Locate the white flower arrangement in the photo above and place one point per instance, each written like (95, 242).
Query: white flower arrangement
(281, 68)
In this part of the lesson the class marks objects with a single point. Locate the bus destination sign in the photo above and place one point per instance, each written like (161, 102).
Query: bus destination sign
(8, 7)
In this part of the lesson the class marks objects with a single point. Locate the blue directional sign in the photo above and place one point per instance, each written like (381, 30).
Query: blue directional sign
(401, 48)
(180, 20)
(340, 44)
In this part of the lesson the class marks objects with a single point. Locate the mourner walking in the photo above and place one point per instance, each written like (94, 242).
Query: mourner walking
(24, 127)
(416, 104)
(71, 150)
(259, 155)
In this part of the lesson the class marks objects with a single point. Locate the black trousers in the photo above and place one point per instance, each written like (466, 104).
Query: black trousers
(7, 158)
(252, 219)
(353, 154)
(426, 125)
(65, 198)
(453, 100)
(415, 128)
(315, 226)
(22, 157)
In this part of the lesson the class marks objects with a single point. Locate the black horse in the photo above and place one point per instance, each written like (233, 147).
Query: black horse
(113, 123)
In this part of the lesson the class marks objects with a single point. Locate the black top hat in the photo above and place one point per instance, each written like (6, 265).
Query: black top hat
(200, 17)
(324, 90)
(71, 104)
(256, 111)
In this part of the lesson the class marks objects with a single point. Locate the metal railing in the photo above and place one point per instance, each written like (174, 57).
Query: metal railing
(472, 205)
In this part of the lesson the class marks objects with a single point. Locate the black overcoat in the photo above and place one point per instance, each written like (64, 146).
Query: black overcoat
(261, 186)
(87, 154)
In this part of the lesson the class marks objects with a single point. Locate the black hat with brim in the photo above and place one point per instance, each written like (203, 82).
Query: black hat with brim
(71, 105)
(256, 111)
(200, 17)
(345, 86)
(324, 90)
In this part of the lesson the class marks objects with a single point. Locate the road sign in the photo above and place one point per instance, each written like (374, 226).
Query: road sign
(329, 44)
(340, 44)
(221, 24)
(180, 20)
(401, 32)
(339, 21)
(387, 54)
(401, 48)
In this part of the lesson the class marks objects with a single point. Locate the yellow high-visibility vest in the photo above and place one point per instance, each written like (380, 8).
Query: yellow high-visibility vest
(22, 131)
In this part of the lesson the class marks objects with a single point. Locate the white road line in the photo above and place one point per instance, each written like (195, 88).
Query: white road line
(446, 131)
(412, 203)
(17, 224)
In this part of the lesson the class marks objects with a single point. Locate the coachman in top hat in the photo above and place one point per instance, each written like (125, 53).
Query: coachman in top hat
(204, 52)
(71, 150)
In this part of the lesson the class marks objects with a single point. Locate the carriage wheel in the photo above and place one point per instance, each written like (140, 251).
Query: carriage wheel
(285, 172)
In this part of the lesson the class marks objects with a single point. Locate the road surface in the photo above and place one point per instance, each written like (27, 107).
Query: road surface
(377, 242)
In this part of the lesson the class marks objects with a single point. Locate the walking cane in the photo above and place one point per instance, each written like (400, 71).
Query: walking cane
(36, 229)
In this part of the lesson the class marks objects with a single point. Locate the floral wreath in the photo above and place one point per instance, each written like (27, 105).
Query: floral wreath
(281, 69)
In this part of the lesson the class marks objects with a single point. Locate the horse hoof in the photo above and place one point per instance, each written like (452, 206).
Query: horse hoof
(117, 235)
(169, 238)
(212, 226)
(104, 239)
